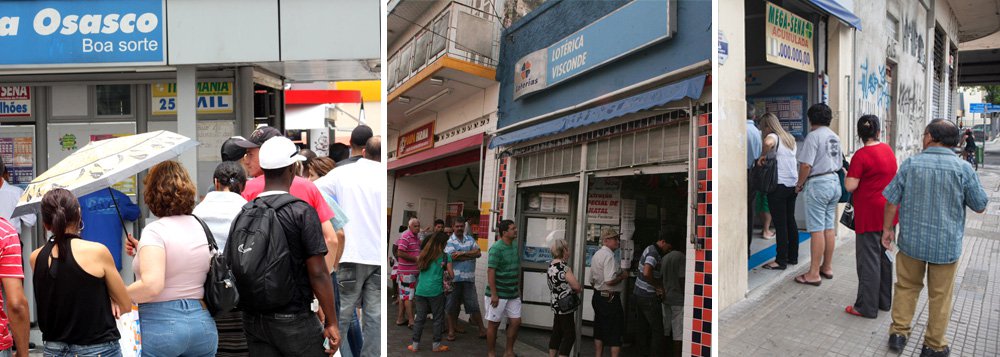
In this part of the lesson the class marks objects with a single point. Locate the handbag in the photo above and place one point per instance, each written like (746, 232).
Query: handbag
(847, 218)
(220, 285)
(568, 303)
(845, 197)
(764, 178)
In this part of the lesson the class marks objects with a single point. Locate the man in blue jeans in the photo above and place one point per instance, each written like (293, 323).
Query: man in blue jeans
(359, 273)
(464, 251)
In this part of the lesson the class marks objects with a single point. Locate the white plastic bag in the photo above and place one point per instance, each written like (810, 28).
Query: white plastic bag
(128, 327)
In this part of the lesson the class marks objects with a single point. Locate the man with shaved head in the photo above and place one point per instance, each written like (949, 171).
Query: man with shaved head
(406, 250)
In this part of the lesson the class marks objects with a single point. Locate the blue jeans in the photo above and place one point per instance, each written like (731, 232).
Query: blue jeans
(463, 294)
(59, 349)
(822, 195)
(177, 328)
(360, 283)
(351, 345)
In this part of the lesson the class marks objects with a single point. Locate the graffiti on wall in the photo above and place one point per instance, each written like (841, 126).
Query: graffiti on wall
(874, 89)
(911, 108)
(913, 40)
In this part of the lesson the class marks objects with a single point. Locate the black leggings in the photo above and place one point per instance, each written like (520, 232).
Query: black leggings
(782, 204)
(563, 333)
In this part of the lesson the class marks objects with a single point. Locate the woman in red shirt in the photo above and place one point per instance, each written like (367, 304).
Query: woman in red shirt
(872, 168)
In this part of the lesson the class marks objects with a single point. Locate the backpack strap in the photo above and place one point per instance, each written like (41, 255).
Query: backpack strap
(280, 201)
(208, 233)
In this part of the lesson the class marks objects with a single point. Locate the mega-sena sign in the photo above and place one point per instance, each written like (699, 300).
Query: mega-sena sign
(15, 101)
(81, 33)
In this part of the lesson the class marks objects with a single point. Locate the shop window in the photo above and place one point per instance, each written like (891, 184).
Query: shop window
(114, 100)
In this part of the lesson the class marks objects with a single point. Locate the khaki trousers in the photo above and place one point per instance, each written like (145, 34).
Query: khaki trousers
(909, 283)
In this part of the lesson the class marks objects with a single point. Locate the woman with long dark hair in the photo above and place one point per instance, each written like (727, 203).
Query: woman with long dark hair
(435, 269)
(779, 144)
(74, 282)
(872, 168)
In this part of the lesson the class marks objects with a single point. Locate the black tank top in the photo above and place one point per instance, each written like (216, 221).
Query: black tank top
(73, 306)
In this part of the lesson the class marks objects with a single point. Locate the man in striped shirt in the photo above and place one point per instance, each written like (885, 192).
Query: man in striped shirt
(648, 290)
(502, 295)
(15, 331)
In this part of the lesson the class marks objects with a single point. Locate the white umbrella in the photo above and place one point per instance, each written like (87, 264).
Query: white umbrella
(100, 164)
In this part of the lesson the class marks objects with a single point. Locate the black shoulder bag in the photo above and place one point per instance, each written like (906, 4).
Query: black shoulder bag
(764, 178)
(220, 286)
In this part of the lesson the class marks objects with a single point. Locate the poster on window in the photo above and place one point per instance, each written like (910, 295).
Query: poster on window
(126, 186)
(17, 145)
(15, 101)
(790, 110)
(211, 98)
(604, 201)
(65, 139)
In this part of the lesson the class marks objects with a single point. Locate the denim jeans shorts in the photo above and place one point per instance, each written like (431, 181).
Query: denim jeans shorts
(106, 349)
(177, 327)
(464, 294)
(822, 194)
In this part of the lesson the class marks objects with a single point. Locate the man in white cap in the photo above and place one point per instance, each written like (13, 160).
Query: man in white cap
(606, 276)
(292, 330)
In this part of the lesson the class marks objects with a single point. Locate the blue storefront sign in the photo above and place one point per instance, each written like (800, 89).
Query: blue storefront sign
(977, 107)
(626, 30)
(61, 33)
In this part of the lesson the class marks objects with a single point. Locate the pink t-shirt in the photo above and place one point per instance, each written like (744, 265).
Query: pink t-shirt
(10, 267)
(302, 188)
(410, 244)
(188, 257)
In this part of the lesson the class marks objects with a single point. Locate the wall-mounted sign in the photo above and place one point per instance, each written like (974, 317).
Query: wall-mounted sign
(625, 30)
(604, 201)
(416, 140)
(82, 33)
(790, 110)
(213, 98)
(15, 101)
(789, 39)
(17, 148)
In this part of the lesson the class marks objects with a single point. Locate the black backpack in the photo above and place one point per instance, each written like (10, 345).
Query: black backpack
(259, 256)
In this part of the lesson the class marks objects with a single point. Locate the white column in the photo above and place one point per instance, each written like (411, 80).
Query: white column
(186, 113)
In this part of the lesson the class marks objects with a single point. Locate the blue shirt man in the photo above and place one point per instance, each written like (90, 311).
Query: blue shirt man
(931, 191)
(101, 222)
(464, 251)
(466, 246)
(754, 142)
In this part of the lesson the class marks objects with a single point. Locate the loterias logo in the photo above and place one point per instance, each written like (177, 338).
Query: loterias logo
(525, 74)
(529, 73)
(525, 69)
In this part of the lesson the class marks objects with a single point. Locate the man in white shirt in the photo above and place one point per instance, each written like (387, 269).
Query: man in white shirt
(606, 276)
(9, 195)
(358, 189)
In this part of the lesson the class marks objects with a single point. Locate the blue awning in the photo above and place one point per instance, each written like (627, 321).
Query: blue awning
(835, 8)
(688, 88)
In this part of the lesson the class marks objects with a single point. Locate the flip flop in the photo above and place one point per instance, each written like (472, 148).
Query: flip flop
(825, 275)
(400, 323)
(776, 267)
(801, 279)
(411, 349)
(850, 310)
(451, 337)
(441, 349)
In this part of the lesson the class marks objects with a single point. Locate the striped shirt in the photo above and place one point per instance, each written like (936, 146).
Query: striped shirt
(10, 267)
(465, 270)
(651, 257)
(932, 190)
(503, 259)
(408, 243)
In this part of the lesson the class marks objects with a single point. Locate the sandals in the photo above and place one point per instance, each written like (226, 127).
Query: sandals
(825, 275)
(774, 267)
(450, 337)
(398, 323)
(441, 348)
(801, 279)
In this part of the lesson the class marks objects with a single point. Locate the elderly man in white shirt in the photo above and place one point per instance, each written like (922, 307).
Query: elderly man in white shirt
(9, 195)
(606, 276)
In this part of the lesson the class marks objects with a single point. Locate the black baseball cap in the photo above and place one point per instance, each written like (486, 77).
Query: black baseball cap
(258, 137)
(360, 135)
(231, 151)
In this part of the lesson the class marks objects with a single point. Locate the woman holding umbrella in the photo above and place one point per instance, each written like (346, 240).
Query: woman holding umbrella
(171, 267)
(74, 280)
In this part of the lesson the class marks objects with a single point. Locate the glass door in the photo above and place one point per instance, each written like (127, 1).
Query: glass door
(546, 213)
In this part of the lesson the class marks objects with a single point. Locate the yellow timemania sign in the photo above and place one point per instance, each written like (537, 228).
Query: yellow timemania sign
(212, 98)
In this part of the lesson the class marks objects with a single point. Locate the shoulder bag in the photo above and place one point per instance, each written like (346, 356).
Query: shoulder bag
(764, 178)
(220, 286)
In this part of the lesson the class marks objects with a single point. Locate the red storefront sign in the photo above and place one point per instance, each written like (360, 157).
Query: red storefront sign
(15, 101)
(416, 140)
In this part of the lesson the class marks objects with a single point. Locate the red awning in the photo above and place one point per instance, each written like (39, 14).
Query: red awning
(322, 96)
(439, 153)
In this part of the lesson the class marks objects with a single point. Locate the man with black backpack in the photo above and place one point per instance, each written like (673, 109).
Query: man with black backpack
(276, 252)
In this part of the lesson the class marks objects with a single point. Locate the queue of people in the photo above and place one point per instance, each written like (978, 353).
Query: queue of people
(79, 291)
(926, 198)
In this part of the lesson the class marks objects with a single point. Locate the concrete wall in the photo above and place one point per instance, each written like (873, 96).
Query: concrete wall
(730, 270)
(407, 194)
(474, 106)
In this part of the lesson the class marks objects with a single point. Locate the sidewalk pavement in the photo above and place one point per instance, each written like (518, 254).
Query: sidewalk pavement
(783, 318)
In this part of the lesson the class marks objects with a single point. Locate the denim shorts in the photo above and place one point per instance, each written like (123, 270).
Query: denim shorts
(464, 294)
(822, 194)
(177, 327)
(106, 349)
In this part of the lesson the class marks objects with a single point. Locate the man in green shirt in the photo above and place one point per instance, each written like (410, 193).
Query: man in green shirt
(503, 297)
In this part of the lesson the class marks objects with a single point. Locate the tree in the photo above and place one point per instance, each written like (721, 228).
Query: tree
(992, 94)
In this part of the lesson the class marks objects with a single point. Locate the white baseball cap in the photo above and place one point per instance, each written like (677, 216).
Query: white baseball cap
(279, 152)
